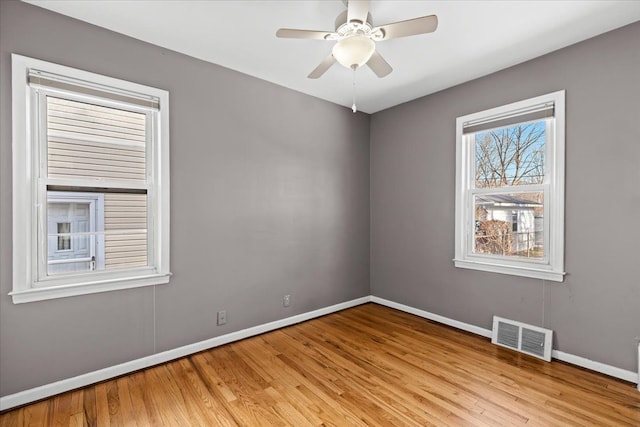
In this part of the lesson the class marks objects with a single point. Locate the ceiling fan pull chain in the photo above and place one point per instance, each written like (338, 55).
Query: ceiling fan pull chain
(353, 107)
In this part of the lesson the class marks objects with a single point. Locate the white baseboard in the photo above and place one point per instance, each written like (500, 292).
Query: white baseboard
(47, 390)
(559, 355)
(592, 365)
(435, 317)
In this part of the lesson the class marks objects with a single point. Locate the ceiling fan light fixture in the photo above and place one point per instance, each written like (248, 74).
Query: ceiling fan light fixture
(355, 38)
(354, 50)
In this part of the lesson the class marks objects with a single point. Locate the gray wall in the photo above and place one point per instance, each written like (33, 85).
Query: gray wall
(595, 313)
(269, 195)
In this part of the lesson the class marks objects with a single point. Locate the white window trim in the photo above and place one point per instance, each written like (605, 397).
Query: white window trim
(26, 287)
(552, 267)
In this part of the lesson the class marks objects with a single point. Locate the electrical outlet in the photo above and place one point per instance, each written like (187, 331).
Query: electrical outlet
(222, 317)
(286, 300)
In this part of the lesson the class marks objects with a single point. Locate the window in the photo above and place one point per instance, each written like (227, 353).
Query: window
(510, 189)
(64, 236)
(90, 182)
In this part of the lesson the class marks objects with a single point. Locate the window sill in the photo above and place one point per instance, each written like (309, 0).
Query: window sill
(63, 291)
(536, 273)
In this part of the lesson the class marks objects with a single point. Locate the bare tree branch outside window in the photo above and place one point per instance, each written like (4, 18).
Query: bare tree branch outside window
(510, 157)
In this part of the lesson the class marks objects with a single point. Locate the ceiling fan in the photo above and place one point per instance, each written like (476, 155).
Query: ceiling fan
(355, 38)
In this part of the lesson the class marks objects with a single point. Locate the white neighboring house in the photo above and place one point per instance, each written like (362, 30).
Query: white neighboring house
(526, 226)
(76, 224)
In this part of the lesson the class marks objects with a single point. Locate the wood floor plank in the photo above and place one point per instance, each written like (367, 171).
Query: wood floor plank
(142, 396)
(136, 413)
(89, 406)
(166, 396)
(197, 398)
(103, 417)
(365, 366)
(329, 349)
(386, 371)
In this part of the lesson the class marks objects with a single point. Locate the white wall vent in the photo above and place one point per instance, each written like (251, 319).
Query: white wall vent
(525, 338)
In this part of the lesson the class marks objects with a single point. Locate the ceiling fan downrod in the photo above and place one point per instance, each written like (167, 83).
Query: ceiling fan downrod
(353, 107)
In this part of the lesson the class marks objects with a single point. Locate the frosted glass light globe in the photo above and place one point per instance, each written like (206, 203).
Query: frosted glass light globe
(354, 50)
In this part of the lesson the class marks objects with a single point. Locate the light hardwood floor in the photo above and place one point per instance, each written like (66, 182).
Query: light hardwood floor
(369, 365)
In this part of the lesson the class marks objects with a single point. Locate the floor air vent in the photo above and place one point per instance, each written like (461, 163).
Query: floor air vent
(522, 337)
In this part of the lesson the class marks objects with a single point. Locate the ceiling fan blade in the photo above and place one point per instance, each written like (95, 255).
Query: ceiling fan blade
(410, 27)
(288, 33)
(378, 65)
(322, 68)
(357, 10)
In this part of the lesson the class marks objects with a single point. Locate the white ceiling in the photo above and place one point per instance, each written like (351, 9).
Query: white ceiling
(473, 39)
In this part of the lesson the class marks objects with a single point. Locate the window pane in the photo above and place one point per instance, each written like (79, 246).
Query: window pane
(64, 238)
(512, 155)
(71, 243)
(509, 224)
(91, 141)
(125, 224)
(90, 231)
(126, 249)
(108, 230)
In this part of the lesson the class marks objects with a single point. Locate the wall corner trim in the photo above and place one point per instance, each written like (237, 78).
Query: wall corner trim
(583, 362)
(48, 390)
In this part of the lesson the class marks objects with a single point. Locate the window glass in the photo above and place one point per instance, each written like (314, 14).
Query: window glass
(509, 224)
(64, 238)
(125, 228)
(92, 141)
(512, 155)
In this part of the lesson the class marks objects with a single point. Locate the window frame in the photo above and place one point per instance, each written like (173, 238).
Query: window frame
(29, 187)
(549, 267)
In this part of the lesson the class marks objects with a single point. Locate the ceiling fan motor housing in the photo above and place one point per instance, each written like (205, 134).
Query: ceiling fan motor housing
(346, 29)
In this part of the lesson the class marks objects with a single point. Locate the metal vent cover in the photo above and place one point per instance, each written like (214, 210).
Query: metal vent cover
(525, 338)
(508, 335)
(533, 342)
